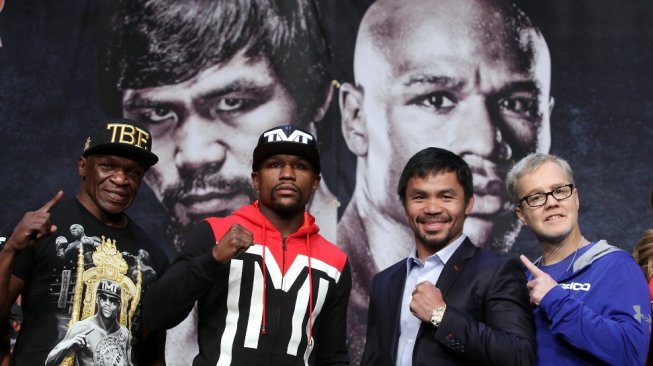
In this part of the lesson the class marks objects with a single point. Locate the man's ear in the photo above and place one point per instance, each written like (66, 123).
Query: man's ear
(255, 181)
(322, 109)
(316, 182)
(577, 198)
(552, 102)
(354, 128)
(520, 214)
(81, 167)
(470, 206)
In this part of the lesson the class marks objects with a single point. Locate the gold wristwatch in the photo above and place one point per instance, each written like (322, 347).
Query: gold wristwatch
(437, 315)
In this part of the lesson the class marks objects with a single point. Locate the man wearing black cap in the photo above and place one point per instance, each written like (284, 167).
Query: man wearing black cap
(100, 337)
(207, 77)
(112, 164)
(270, 289)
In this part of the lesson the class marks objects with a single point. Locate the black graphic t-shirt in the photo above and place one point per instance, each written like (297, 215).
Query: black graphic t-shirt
(118, 266)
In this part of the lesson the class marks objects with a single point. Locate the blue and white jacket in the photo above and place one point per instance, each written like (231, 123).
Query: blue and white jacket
(599, 314)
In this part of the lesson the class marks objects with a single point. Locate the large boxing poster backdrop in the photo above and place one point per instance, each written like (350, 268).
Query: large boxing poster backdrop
(601, 122)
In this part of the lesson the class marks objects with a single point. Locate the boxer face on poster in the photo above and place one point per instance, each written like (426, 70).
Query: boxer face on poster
(207, 78)
(470, 77)
(204, 130)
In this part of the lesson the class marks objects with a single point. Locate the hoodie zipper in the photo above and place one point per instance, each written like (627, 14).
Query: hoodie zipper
(283, 261)
(283, 274)
(283, 278)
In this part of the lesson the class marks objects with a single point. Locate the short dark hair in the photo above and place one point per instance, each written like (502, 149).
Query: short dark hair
(434, 160)
(152, 43)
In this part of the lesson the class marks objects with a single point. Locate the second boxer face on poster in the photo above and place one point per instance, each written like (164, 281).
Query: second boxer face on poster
(204, 130)
(451, 84)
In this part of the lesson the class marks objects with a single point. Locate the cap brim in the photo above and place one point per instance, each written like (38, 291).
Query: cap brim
(110, 294)
(127, 151)
(286, 148)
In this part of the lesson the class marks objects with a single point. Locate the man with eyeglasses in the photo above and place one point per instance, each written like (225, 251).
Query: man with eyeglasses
(590, 299)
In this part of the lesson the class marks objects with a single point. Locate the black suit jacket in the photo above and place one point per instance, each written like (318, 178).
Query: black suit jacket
(488, 321)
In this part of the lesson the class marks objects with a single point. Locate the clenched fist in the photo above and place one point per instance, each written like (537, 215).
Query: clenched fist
(235, 241)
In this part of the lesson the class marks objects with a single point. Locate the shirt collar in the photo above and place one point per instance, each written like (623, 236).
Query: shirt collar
(443, 254)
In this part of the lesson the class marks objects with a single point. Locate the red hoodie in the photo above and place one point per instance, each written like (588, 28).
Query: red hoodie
(278, 303)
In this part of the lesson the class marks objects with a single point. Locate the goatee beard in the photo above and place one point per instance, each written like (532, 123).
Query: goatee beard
(289, 211)
(178, 228)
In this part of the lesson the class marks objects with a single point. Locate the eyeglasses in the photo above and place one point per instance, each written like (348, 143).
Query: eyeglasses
(539, 199)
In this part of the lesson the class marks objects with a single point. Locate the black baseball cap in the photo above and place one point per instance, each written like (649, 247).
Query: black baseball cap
(109, 288)
(288, 140)
(122, 137)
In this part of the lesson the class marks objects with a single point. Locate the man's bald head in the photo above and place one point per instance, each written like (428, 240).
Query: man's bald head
(470, 76)
(495, 29)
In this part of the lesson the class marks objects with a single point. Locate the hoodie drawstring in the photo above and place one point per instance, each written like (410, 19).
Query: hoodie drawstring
(264, 270)
(310, 294)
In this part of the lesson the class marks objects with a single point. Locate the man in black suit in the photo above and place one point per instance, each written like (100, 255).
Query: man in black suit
(478, 312)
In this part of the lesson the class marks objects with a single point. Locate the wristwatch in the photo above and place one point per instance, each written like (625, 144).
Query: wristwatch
(437, 315)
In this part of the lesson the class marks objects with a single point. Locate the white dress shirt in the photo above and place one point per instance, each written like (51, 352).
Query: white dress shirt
(416, 272)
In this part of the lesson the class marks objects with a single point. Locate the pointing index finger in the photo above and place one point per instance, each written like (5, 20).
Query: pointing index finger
(530, 266)
(48, 206)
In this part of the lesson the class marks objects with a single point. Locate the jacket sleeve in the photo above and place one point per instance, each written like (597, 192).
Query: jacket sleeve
(506, 334)
(332, 332)
(371, 351)
(618, 333)
(170, 299)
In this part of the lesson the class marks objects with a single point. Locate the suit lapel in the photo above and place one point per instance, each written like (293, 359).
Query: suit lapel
(395, 295)
(451, 271)
(455, 266)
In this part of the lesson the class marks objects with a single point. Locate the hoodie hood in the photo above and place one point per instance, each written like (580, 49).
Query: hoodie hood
(252, 214)
(597, 251)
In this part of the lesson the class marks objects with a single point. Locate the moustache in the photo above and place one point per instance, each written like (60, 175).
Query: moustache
(206, 179)
(428, 218)
(285, 186)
